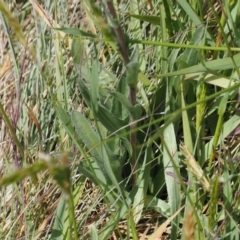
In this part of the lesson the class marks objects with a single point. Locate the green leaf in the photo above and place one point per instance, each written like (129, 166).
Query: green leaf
(77, 51)
(158, 205)
(94, 86)
(142, 186)
(134, 111)
(216, 80)
(93, 232)
(85, 92)
(123, 88)
(89, 137)
(132, 74)
(91, 170)
(68, 125)
(111, 122)
(77, 32)
(146, 18)
(60, 224)
(98, 150)
(135, 54)
(111, 170)
(143, 79)
(214, 195)
(223, 104)
(127, 145)
(171, 164)
(133, 68)
(214, 65)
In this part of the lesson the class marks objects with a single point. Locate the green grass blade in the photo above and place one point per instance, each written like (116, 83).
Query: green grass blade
(214, 65)
(134, 111)
(60, 224)
(151, 19)
(113, 221)
(94, 86)
(93, 232)
(68, 125)
(170, 160)
(89, 137)
(77, 32)
(142, 186)
(98, 149)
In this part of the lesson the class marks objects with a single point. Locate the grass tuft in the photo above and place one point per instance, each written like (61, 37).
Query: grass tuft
(119, 119)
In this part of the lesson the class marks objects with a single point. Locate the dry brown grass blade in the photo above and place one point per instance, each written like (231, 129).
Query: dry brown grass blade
(6, 78)
(6, 66)
(159, 232)
(50, 22)
(33, 117)
(42, 227)
(188, 225)
(144, 235)
(47, 18)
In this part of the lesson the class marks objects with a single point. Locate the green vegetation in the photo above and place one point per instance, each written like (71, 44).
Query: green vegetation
(120, 119)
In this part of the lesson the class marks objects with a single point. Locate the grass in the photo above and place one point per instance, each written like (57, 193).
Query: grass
(119, 120)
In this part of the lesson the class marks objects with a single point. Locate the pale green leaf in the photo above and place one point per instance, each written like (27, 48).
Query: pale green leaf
(214, 65)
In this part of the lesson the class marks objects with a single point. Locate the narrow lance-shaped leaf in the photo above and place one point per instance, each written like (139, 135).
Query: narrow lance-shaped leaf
(214, 65)
(132, 74)
(134, 111)
(77, 51)
(146, 18)
(142, 186)
(77, 32)
(68, 125)
(94, 86)
(88, 136)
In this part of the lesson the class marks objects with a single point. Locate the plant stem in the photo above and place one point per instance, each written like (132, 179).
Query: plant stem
(72, 219)
(132, 90)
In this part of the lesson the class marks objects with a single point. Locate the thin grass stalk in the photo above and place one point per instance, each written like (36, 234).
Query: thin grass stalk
(72, 218)
(183, 46)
